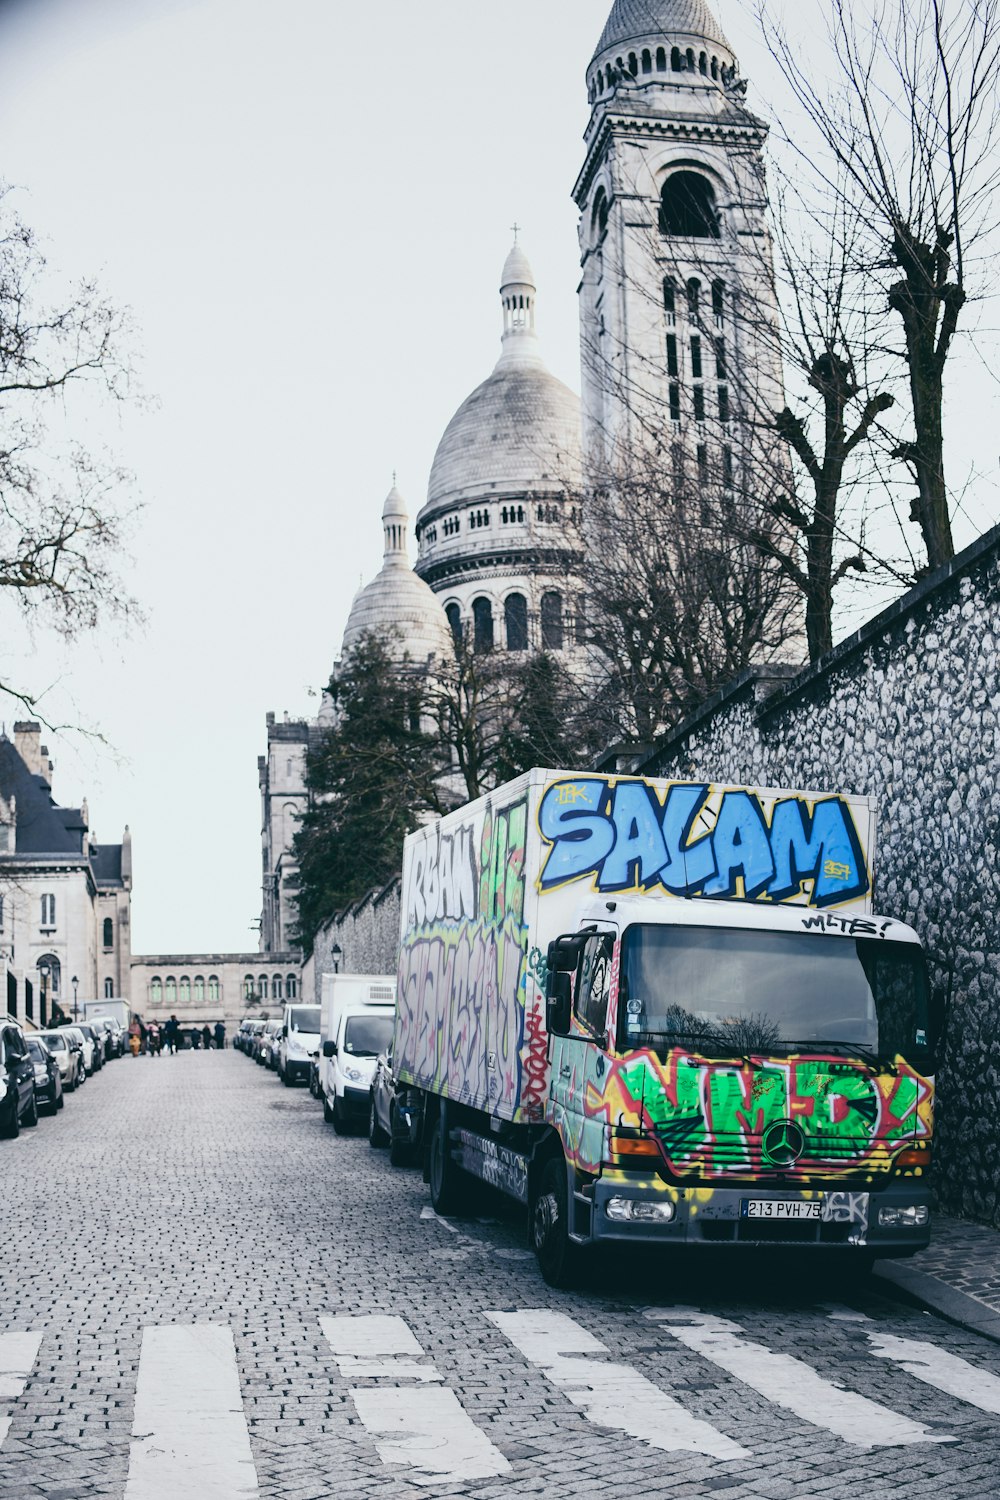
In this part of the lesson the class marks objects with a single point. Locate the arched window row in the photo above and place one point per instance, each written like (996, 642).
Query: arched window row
(694, 301)
(173, 990)
(512, 515)
(553, 622)
(649, 61)
(270, 987)
(478, 519)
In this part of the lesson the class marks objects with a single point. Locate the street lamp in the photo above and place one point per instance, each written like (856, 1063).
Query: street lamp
(336, 953)
(74, 982)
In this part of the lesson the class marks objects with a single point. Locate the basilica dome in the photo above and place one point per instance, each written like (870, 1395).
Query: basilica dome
(397, 606)
(519, 432)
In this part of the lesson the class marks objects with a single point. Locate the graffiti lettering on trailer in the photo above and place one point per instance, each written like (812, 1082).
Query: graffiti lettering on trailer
(621, 835)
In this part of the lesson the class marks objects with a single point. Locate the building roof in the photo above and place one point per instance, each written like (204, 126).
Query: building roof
(638, 20)
(42, 827)
(106, 861)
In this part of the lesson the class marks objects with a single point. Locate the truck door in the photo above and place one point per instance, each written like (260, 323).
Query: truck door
(580, 1060)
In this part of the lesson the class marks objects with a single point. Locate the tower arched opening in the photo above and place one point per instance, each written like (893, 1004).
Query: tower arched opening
(688, 208)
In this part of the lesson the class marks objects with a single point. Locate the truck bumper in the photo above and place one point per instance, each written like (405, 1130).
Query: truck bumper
(883, 1222)
(356, 1103)
(296, 1068)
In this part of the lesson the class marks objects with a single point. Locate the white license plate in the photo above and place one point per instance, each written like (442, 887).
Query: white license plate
(780, 1208)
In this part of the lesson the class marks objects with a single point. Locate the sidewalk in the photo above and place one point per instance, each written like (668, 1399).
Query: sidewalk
(958, 1277)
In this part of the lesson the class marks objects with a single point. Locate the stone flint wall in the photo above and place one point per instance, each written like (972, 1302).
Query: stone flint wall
(367, 933)
(906, 711)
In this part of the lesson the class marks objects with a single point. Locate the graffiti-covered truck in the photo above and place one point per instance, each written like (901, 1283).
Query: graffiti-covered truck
(665, 1013)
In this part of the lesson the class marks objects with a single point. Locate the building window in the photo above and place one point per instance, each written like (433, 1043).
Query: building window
(1, 913)
(719, 301)
(687, 207)
(291, 987)
(675, 403)
(454, 615)
(199, 989)
(670, 299)
(109, 989)
(53, 978)
(694, 299)
(696, 369)
(213, 990)
(482, 624)
(673, 368)
(677, 463)
(720, 358)
(724, 405)
(170, 991)
(262, 986)
(276, 987)
(184, 994)
(248, 987)
(155, 991)
(699, 403)
(516, 619)
(48, 911)
(727, 467)
(702, 464)
(109, 933)
(552, 622)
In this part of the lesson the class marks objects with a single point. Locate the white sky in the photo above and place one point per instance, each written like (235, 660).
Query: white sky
(307, 206)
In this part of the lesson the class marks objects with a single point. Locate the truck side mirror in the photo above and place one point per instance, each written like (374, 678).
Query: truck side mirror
(329, 1049)
(563, 955)
(938, 1017)
(559, 1002)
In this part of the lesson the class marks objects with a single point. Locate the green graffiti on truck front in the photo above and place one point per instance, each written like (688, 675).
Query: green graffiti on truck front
(713, 1119)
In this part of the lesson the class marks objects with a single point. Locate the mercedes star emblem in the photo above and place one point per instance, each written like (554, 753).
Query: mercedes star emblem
(783, 1143)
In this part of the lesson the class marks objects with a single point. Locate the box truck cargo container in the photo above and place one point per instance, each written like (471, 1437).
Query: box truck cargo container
(665, 1013)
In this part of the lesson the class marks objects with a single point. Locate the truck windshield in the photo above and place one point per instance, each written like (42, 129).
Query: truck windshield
(304, 1018)
(738, 992)
(367, 1036)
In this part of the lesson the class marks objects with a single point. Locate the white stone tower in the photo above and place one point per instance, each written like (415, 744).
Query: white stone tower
(678, 346)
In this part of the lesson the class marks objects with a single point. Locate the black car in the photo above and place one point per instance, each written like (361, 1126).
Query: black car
(17, 1074)
(48, 1078)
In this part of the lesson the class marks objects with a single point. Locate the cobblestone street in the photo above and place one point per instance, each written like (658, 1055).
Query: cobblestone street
(183, 1244)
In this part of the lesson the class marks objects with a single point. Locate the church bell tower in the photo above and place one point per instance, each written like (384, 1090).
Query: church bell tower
(678, 323)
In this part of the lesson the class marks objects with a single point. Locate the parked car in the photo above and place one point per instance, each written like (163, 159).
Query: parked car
(17, 1074)
(300, 1039)
(48, 1078)
(106, 1029)
(96, 1035)
(267, 1045)
(386, 1125)
(315, 1087)
(84, 1045)
(69, 1059)
(253, 1037)
(241, 1040)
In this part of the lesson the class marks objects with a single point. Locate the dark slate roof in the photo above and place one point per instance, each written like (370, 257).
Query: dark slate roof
(106, 861)
(41, 825)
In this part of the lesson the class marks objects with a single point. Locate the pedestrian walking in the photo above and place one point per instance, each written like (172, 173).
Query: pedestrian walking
(220, 1035)
(153, 1039)
(206, 1037)
(172, 1028)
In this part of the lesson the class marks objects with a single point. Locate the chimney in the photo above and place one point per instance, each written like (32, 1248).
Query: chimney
(127, 858)
(28, 744)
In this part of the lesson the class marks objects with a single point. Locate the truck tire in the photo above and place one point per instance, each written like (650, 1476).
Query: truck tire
(327, 1111)
(341, 1124)
(401, 1153)
(447, 1181)
(559, 1259)
(31, 1118)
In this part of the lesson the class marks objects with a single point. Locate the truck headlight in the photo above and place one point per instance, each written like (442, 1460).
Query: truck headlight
(353, 1075)
(915, 1216)
(637, 1210)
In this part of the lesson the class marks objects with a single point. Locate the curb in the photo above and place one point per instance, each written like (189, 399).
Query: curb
(935, 1295)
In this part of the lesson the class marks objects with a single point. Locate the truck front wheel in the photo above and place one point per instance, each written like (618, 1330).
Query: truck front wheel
(559, 1259)
(444, 1176)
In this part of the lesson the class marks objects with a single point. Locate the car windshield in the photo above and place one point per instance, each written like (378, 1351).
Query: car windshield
(304, 1018)
(55, 1043)
(37, 1052)
(367, 1036)
(734, 991)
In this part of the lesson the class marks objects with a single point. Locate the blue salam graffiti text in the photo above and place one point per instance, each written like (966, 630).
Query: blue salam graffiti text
(626, 839)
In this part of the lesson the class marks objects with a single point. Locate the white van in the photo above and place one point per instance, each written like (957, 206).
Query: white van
(359, 1011)
(298, 1042)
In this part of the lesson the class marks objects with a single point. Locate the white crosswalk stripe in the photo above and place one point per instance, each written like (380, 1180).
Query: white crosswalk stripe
(936, 1367)
(190, 1434)
(613, 1396)
(18, 1352)
(422, 1426)
(792, 1384)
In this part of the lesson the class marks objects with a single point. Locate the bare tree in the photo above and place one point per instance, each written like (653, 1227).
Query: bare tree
(678, 600)
(910, 131)
(64, 510)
